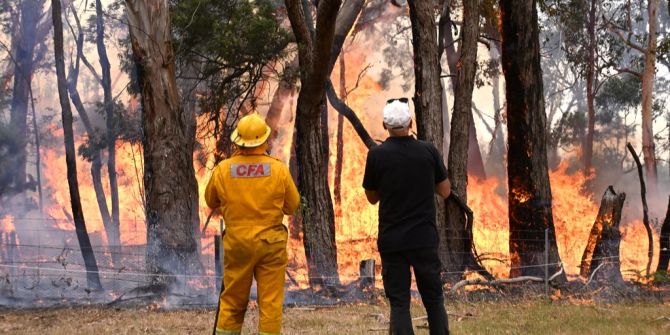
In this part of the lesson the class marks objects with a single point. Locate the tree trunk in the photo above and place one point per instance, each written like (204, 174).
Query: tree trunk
(24, 67)
(295, 224)
(648, 146)
(91, 265)
(95, 154)
(530, 212)
(475, 160)
(475, 163)
(457, 240)
(114, 233)
(314, 52)
(664, 257)
(590, 88)
(602, 250)
(339, 155)
(171, 190)
(38, 155)
(428, 98)
(645, 208)
(318, 221)
(96, 161)
(325, 138)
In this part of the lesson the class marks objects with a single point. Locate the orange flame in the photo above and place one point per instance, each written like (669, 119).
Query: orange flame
(7, 224)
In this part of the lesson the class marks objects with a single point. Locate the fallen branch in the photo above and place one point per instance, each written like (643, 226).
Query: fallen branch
(497, 282)
(645, 208)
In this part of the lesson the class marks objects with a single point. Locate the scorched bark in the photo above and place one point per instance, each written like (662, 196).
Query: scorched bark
(530, 199)
(601, 255)
(318, 219)
(458, 238)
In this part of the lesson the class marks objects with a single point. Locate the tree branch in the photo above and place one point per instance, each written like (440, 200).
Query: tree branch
(347, 112)
(626, 39)
(631, 71)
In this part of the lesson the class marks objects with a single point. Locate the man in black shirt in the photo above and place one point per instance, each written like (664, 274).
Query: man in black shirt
(403, 174)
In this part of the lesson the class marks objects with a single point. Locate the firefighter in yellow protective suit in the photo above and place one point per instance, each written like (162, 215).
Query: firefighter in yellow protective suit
(253, 192)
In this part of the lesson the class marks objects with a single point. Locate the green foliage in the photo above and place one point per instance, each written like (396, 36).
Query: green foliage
(127, 126)
(227, 43)
(620, 92)
(570, 129)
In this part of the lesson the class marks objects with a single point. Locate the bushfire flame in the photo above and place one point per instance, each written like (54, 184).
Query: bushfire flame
(356, 221)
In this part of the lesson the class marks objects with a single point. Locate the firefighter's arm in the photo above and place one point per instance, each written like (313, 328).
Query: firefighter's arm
(211, 194)
(291, 195)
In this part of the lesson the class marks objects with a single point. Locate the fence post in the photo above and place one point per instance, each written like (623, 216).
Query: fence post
(217, 261)
(546, 261)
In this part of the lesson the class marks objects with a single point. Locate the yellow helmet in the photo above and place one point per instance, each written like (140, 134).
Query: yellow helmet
(251, 131)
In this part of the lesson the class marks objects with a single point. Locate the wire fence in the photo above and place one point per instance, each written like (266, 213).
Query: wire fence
(44, 266)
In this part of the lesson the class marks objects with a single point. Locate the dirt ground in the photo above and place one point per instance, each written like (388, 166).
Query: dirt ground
(529, 317)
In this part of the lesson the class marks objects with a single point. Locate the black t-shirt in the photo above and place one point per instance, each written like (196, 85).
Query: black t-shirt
(404, 171)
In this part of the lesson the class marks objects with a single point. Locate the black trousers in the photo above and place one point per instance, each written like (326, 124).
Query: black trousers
(397, 280)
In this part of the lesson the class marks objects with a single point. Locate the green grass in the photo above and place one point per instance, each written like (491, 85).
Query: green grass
(529, 317)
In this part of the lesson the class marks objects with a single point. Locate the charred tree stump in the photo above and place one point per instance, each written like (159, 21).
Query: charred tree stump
(664, 257)
(600, 260)
(645, 208)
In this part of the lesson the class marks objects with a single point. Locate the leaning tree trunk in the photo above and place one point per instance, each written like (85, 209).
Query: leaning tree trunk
(648, 145)
(114, 233)
(645, 208)
(318, 219)
(23, 73)
(600, 260)
(428, 97)
(458, 243)
(171, 190)
(530, 212)
(90, 263)
(664, 257)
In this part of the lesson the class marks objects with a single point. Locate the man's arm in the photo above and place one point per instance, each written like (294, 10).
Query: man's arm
(373, 196)
(443, 188)
(370, 180)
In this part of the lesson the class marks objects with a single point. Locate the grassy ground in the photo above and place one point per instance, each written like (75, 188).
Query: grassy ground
(531, 317)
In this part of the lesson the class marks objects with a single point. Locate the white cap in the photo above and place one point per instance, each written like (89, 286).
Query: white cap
(397, 115)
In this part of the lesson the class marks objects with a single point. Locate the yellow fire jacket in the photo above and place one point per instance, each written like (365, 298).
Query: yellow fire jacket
(251, 190)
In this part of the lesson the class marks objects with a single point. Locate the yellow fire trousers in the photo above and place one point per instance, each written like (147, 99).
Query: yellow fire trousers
(253, 252)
